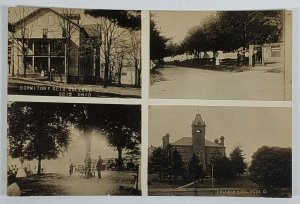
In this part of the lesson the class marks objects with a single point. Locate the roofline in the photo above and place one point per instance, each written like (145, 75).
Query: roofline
(15, 25)
(192, 145)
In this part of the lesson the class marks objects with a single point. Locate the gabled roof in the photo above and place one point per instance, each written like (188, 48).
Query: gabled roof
(92, 30)
(188, 141)
(198, 120)
(38, 11)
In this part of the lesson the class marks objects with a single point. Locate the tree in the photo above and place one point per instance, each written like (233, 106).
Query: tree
(110, 25)
(122, 128)
(157, 43)
(223, 170)
(37, 131)
(135, 55)
(177, 164)
(20, 34)
(237, 159)
(241, 28)
(230, 30)
(271, 167)
(195, 169)
(156, 163)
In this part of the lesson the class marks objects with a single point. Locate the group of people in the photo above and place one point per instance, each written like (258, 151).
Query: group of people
(89, 167)
(242, 58)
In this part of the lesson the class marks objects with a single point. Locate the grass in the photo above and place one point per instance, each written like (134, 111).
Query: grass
(243, 182)
(32, 186)
(156, 76)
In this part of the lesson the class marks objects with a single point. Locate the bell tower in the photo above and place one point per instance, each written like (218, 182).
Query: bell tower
(198, 135)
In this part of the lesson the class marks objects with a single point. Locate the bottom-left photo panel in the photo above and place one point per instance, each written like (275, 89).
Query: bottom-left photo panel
(73, 149)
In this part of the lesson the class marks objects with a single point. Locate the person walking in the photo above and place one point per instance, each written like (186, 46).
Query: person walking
(71, 167)
(99, 166)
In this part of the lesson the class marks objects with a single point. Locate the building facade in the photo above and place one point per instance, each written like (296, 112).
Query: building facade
(46, 42)
(197, 144)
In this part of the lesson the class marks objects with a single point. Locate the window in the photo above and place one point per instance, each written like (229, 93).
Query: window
(50, 20)
(64, 32)
(45, 33)
(275, 51)
(44, 48)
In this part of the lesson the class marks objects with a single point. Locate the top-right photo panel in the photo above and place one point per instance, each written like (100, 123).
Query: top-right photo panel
(221, 55)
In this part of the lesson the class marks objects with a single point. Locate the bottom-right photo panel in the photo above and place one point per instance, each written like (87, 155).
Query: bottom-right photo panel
(220, 151)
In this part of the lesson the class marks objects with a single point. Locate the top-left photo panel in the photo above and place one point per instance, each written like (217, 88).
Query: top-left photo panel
(74, 52)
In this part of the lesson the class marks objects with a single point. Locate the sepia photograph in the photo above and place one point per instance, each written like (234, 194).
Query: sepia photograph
(69, 149)
(74, 52)
(220, 151)
(225, 55)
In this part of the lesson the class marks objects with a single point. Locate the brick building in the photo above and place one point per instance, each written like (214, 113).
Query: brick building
(197, 144)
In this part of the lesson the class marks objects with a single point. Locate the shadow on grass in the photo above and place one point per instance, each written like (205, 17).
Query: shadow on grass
(35, 186)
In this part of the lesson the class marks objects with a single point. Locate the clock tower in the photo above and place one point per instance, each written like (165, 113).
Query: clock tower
(198, 135)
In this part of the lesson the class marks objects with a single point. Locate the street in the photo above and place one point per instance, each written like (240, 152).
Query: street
(258, 83)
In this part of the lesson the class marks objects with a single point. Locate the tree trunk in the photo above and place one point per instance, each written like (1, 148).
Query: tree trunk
(106, 69)
(136, 73)
(119, 77)
(120, 160)
(39, 166)
(88, 140)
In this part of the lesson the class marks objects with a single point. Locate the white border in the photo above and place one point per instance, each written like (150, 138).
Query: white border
(154, 5)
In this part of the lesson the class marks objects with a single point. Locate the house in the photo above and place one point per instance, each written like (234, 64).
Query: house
(197, 144)
(47, 44)
(268, 54)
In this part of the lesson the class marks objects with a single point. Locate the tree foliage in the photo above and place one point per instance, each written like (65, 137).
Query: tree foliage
(122, 128)
(157, 43)
(223, 170)
(230, 30)
(238, 164)
(167, 162)
(271, 167)
(37, 131)
(124, 18)
(41, 130)
(177, 164)
(195, 169)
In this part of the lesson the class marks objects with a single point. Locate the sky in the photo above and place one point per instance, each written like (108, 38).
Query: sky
(247, 127)
(175, 24)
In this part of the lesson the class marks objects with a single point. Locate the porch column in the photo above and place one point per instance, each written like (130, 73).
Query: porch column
(66, 73)
(33, 57)
(251, 51)
(49, 59)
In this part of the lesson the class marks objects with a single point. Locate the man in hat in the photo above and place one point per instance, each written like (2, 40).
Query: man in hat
(99, 166)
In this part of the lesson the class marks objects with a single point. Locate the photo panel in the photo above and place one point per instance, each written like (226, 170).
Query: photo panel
(220, 151)
(70, 149)
(225, 55)
(74, 52)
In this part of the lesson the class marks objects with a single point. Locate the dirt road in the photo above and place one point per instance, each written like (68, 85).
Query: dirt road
(190, 83)
(63, 184)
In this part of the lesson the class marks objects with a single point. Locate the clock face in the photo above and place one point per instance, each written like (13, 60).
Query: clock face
(198, 131)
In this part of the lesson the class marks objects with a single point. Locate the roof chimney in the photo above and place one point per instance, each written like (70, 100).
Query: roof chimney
(216, 141)
(222, 138)
(165, 140)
